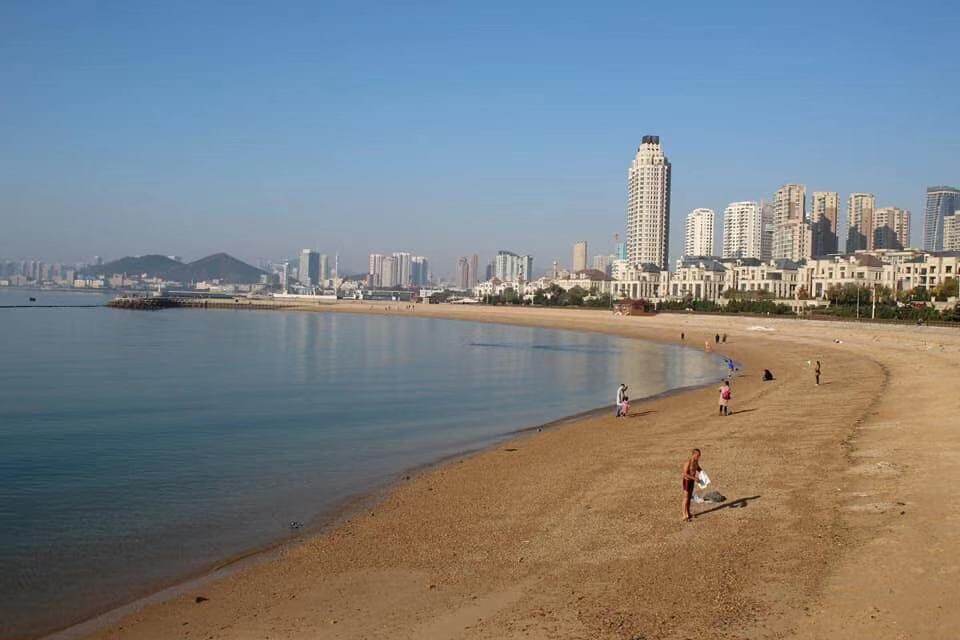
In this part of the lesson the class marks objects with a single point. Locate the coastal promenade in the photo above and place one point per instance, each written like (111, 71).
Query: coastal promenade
(844, 528)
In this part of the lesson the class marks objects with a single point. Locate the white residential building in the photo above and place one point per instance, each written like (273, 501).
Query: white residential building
(648, 205)
(951, 232)
(742, 230)
(509, 267)
(698, 240)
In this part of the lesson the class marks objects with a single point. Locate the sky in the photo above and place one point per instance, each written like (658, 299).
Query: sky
(446, 128)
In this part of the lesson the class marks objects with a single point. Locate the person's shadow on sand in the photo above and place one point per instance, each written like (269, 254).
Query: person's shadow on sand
(731, 504)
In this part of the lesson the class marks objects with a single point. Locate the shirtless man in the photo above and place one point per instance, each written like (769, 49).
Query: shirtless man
(690, 471)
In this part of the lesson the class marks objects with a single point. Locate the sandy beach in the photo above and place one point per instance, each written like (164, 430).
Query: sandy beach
(838, 522)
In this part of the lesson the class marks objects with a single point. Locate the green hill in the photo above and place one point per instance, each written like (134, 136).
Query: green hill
(150, 265)
(219, 266)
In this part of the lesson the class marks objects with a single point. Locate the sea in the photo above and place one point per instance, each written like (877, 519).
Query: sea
(139, 448)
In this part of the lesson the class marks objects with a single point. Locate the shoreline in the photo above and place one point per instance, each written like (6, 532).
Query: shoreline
(798, 548)
(342, 511)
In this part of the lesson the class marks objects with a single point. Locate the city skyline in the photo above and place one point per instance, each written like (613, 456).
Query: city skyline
(216, 145)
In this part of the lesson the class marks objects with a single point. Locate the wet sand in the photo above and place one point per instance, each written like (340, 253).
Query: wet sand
(844, 526)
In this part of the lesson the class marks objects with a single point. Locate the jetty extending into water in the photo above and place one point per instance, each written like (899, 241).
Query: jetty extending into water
(167, 302)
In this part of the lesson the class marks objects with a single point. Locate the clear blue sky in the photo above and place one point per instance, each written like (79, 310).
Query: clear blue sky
(446, 129)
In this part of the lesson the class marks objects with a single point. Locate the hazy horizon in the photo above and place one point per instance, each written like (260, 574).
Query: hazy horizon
(189, 130)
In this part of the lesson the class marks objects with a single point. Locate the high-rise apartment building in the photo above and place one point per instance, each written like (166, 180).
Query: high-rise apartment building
(860, 208)
(951, 232)
(792, 236)
(941, 202)
(891, 228)
(742, 230)
(390, 277)
(462, 278)
(789, 203)
(824, 214)
(376, 269)
(601, 263)
(698, 237)
(474, 276)
(309, 270)
(580, 256)
(509, 267)
(404, 269)
(767, 226)
(324, 267)
(648, 205)
(419, 271)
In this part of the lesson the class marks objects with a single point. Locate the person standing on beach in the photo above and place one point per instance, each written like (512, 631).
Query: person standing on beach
(683, 336)
(690, 470)
(716, 338)
(621, 392)
(816, 373)
(723, 339)
(725, 396)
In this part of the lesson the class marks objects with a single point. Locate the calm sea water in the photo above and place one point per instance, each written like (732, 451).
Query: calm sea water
(139, 447)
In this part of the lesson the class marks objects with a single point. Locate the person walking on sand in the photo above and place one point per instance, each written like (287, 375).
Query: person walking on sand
(725, 395)
(690, 470)
(716, 338)
(723, 338)
(683, 336)
(621, 392)
(816, 373)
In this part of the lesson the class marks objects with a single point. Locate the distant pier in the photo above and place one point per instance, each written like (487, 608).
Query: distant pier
(168, 302)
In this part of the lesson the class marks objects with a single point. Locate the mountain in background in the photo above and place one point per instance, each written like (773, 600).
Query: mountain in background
(151, 266)
(219, 266)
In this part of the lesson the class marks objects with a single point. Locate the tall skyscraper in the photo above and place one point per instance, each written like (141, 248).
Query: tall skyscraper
(601, 263)
(742, 230)
(376, 269)
(860, 207)
(891, 228)
(419, 268)
(474, 276)
(789, 203)
(648, 205)
(509, 267)
(767, 225)
(792, 236)
(698, 239)
(324, 267)
(309, 273)
(824, 214)
(462, 280)
(941, 202)
(404, 269)
(580, 256)
(390, 277)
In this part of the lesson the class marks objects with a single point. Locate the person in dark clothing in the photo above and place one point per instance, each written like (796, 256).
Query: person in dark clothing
(767, 375)
(816, 373)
